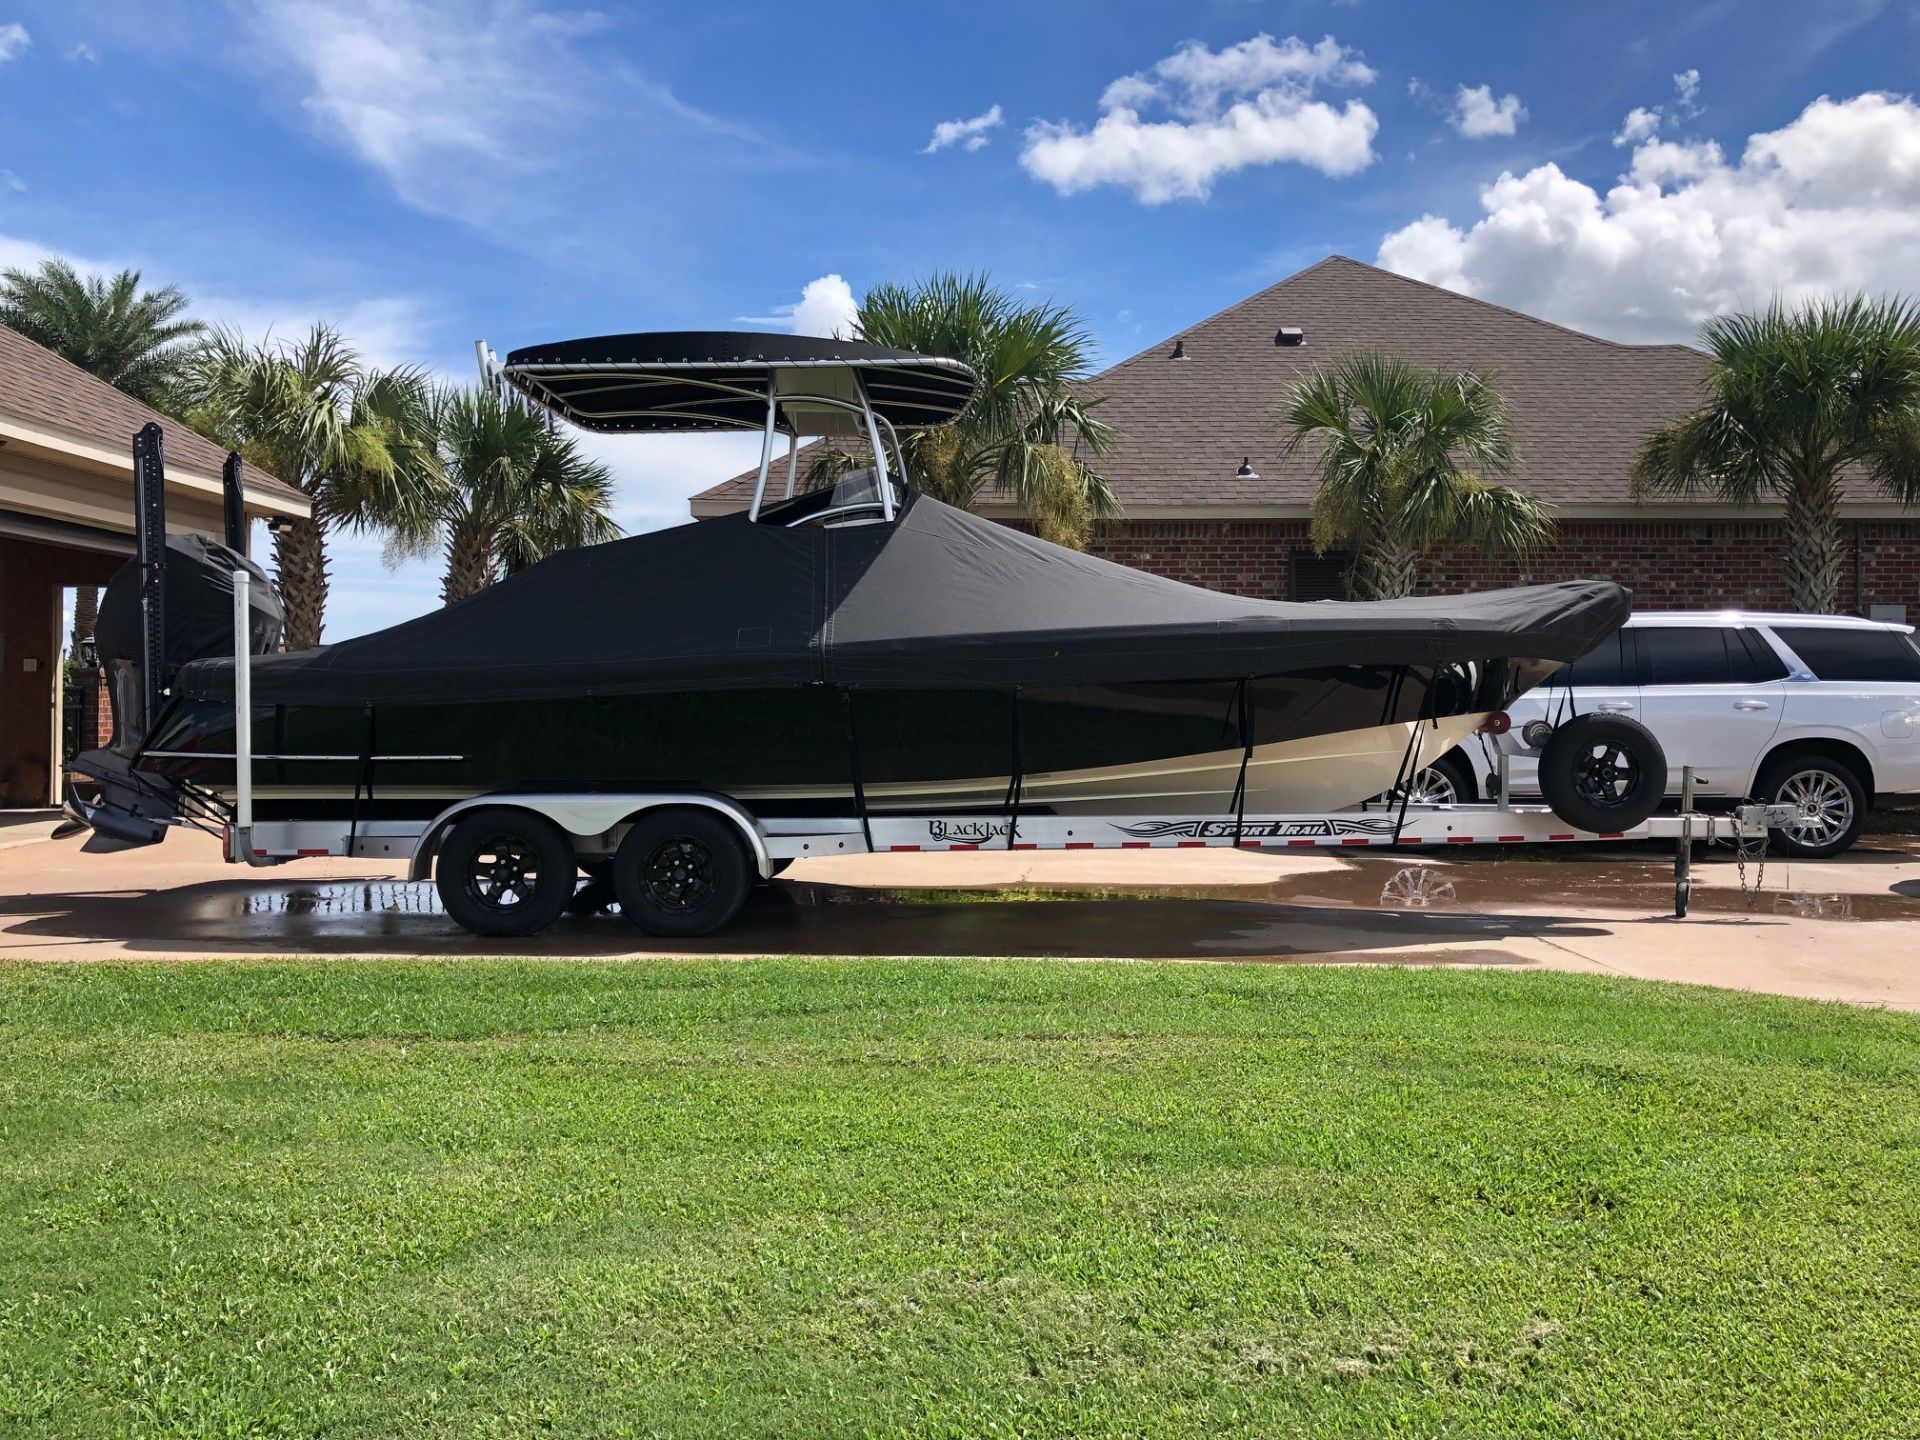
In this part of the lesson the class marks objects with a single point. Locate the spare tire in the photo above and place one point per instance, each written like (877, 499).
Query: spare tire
(1604, 773)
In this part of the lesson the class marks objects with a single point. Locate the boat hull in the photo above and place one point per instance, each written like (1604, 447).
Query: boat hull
(1321, 739)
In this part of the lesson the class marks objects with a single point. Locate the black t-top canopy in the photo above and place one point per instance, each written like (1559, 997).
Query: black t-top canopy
(719, 380)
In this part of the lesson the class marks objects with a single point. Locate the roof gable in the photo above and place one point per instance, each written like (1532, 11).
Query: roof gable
(1183, 426)
(42, 388)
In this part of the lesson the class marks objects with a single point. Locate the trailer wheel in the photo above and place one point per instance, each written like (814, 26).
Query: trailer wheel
(1603, 772)
(681, 872)
(504, 871)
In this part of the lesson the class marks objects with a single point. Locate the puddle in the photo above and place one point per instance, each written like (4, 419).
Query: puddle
(1541, 887)
(1382, 909)
(1544, 888)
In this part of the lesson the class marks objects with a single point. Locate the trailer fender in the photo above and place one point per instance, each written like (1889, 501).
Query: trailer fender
(586, 817)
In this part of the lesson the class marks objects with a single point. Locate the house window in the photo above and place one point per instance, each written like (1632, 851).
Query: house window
(1317, 577)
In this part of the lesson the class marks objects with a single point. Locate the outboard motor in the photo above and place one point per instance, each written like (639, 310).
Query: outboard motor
(197, 624)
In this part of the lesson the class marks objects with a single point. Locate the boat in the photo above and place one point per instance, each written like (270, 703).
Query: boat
(856, 649)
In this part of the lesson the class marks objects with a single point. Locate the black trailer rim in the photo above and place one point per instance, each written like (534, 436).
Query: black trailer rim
(1607, 777)
(504, 874)
(680, 875)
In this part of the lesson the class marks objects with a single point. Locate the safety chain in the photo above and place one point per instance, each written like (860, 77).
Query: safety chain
(1745, 848)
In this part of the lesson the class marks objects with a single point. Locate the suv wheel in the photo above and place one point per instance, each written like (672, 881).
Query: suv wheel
(1446, 781)
(1830, 805)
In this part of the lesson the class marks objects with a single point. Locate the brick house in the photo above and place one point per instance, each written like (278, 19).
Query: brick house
(1209, 500)
(66, 520)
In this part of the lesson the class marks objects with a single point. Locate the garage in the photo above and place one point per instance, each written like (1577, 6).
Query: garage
(66, 524)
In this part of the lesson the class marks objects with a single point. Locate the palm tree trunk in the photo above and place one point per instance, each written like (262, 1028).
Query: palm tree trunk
(1815, 550)
(469, 567)
(86, 614)
(1384, 570)
(300, 555)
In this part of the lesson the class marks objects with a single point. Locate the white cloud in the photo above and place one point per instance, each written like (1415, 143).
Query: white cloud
(423, 96)
(463, 105)
(826, 307)
(1476, 114)
(12, 181)
(1202, 78)
(656, 475)
(1830, 201)
(83, 54)
(1643, 121)
(386, 330)
(1686, 94)
(969, 135)
(14, 41)
(1246, 104)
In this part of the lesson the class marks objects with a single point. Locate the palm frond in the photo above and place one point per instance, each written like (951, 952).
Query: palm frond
(1401, 453)
(1033, 361)
(107, 325)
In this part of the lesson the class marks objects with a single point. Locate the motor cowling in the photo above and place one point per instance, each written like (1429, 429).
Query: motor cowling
(197, 623)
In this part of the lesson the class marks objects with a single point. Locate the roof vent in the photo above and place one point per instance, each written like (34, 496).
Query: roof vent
(1179, 350)
(1246, 470)
(1289, 336)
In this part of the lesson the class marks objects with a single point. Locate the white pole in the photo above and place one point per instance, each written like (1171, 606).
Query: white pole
(879, 454)
(242, 717)
(766, 443)
(793, 460)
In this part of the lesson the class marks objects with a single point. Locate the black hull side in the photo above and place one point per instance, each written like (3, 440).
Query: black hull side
(739, 742)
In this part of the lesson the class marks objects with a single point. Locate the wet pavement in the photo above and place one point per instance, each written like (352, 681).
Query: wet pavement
(1847, 929)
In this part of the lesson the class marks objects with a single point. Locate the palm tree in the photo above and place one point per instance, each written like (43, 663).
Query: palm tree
(1030, 432)
(515, 493)
(358, 442)
(1402, 456)
(1800, 403)
(109, 327)
(86, 615)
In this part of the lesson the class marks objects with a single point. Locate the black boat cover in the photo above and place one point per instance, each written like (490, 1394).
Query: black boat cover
(939, 599)
(196, 608)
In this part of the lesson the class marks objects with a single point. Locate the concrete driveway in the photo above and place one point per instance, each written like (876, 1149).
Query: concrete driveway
(1845, 929)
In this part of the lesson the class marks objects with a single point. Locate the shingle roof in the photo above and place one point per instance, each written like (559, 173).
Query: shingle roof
(1182, 427)
(39, 386)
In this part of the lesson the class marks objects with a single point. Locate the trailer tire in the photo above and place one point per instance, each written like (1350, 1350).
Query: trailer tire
(682, 872)
(505, 871)
(1602, 772)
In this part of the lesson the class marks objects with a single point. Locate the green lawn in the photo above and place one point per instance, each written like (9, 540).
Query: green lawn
(955, 1198)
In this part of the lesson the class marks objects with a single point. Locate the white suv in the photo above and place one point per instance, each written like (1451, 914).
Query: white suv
(1819, 711)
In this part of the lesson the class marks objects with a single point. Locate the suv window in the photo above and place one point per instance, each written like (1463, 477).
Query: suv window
(1762, 663)
(1686, 655)
(1836, 654)
(1599, 666)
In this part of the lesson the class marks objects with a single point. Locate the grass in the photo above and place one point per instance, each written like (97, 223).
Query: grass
(948, 1199)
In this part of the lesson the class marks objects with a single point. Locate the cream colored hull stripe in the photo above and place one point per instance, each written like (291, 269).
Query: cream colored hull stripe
(1318, 772)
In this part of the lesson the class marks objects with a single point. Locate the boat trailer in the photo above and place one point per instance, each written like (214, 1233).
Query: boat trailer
(596, 823)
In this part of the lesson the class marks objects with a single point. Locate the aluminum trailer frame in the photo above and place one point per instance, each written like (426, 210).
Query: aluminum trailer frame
(597, 822)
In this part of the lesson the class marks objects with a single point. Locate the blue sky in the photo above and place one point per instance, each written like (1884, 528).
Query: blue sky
(425, 174)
